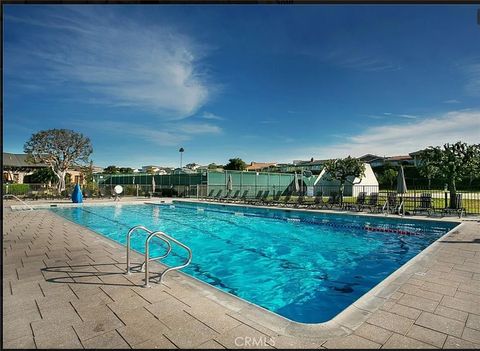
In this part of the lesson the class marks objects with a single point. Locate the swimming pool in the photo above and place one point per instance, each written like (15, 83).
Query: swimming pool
(305, 266)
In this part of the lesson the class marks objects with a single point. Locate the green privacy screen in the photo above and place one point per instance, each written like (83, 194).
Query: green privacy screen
(207, 183)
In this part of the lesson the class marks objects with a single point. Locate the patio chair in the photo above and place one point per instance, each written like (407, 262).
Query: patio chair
(217, 195)
(285, 201)
(210, 194)
(264, 199)
(317, 201)
(274, 199)
(425, 204)
(372, 203)
(391, 205)
(300, 202)
(357, 205)
(333, 200)
(229, 197)
(256, 198)
(459, 209)
(241, 198)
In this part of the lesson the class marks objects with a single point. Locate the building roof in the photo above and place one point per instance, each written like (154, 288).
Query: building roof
(259, 165)
(19, 161)
(369, 157)
(398, 158)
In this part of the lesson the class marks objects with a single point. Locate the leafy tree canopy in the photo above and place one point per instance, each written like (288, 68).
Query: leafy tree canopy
(110, 170)
(236, 164)
(343, 169)
(42, 175)
(125, 170)
(452, 163)
(60, 149)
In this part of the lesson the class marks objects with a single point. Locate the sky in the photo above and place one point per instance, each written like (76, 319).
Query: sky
(266, 83)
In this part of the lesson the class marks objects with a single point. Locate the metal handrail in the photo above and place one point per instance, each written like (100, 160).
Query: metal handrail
(164, 236)
(23, 202)
(129, 234)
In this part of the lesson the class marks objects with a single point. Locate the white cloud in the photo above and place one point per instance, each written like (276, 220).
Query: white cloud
(388, 115)
(451, 101)
(123, 62)
(357, 59)
(166, 135)
(403, 138)
(209, 115)
(198, 128)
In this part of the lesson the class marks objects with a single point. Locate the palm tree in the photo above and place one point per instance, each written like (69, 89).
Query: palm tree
(181, 150)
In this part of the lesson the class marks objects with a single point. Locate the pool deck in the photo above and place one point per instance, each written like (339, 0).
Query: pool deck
(64, 287)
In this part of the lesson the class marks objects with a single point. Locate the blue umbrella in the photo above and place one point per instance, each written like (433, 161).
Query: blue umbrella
(77, 196)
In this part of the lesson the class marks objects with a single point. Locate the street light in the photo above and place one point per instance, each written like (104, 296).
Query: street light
(181, 150)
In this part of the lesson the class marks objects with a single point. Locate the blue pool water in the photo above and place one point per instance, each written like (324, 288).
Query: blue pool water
(307, 267)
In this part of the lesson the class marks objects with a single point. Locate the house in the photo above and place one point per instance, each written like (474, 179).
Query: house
(17, 166)
(258, 166)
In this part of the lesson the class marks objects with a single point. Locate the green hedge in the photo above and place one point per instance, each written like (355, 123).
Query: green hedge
(16, 189)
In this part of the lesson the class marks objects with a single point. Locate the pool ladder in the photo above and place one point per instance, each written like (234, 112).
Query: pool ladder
(167, 239)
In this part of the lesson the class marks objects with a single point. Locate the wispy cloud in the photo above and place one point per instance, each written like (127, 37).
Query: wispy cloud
(389, 115)
(358, 60)
(451, 101)
(209, 115)
(403, 138)
(167, 135)
(123, 62)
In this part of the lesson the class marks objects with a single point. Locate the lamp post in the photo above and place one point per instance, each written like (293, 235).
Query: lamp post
(181, 150)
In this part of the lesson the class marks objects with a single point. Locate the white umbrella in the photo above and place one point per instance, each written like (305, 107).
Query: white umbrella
(230, 182)
(295, 180)
(153, 184)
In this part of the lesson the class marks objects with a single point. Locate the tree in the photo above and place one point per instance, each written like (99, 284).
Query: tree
(454, 163)
(192, 165)
(214, 166)
(235, 164)
(125, 170)
(60, 149)
(42, 175)
(428, 170)
(388, 177)
(110, 170)
(343, 170)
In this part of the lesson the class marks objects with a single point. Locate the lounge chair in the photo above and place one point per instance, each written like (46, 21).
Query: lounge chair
(459, 209)
(333, 201)
(300, 202)
(425, 204)
(217, 195)
(391, 204)
(285, 201)
(210, 194)
(230, 197)
(242, 198)
(372, 203)
(275, 199)
(317, 201)
(264, 199)
(256, 198)
(357, 206)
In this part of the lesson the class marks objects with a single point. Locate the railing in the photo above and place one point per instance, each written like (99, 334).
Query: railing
(145, 265)
(15, 197)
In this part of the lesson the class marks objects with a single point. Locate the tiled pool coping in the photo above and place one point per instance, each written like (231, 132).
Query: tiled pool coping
(343, 324)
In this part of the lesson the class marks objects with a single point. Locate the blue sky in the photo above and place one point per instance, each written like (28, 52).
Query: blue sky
(260, 82)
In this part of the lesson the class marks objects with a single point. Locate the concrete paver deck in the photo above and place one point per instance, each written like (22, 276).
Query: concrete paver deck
(64, 287)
